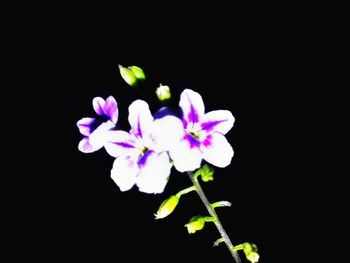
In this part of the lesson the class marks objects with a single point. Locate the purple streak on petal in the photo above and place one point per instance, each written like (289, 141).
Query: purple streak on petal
(139, 131)
(192, 141)
(210, 125)
(184, 123)
(124, 144)
(193, 115)
(207, 142)
(85, 126)
(111, 109)
(142, 161)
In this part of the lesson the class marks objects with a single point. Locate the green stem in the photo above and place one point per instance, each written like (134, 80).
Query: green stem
(185, 191)
(212, 212)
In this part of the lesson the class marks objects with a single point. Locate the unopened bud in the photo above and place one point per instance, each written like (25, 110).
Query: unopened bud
(167, 207)
(207, 173)
(128, 76)
(250, 251)
(138, 72)
(196, 223)
(163, 92)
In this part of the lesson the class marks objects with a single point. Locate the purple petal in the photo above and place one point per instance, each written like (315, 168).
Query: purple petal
(98, 103)
(85, 126)
(192, 106)
(111, 109)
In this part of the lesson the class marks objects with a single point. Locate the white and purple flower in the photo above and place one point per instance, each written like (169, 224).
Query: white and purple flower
(94, 129)
(141, 155)
(202, 135)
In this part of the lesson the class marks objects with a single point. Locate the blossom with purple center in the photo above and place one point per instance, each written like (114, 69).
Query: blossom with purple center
(94, 129)
(202, 135)
(141, 155)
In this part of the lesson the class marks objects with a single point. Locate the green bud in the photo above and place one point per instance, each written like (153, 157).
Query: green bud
(206, 172)
(167, 207)
(128, 76)
(138, 72)
(250, 251)
(163, 92)
(196, 223)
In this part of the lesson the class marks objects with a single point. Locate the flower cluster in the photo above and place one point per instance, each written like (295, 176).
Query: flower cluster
(145, 155)
(154, 144)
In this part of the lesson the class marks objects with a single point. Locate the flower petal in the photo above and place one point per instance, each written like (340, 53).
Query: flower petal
(140, 118)
(118, 143)
(154, 175)
(98, 137)
(217, 150)
(185, 157)
(111, 109)
(166, 133)
(218, 120)
(98, 103)
(124, 172)
(192, 106)
(84, 125)
(85, 146)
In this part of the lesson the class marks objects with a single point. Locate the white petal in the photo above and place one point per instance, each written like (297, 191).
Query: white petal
(154, 175)
(98, 137)
(166, 133)
(217, 150)
(140, 118)
(184, 157)
(124, 172)
(218, 120)
(118, 143)
(98, 103)
(192, 106)
(85, 146)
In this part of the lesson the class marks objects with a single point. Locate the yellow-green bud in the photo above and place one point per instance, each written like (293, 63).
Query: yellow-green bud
(253, 257)
(207, 173)
(250, 251)
(196, 223)
(138, 72)
(163, 92)
(128, 76)
(167, 207)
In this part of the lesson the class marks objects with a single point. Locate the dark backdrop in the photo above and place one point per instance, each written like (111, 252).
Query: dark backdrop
(253, 66)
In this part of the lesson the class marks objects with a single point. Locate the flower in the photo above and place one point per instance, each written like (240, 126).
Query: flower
(141, 155)
(202, 135)
(94, 129)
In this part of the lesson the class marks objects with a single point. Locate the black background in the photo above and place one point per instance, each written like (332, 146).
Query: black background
(255, 65)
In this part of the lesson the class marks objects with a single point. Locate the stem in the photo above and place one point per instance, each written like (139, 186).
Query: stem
(212, 212)
(185, 191)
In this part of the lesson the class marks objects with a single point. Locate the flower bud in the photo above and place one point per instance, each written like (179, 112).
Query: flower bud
(195, 223)
(250, 251)
(128, 76)
(163, 92)
(138, 72)
(167, 207)
(207, 173)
